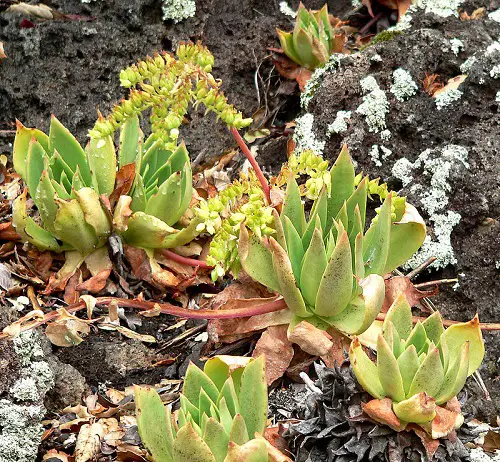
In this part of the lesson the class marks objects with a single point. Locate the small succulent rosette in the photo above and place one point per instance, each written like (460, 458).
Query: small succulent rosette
(222, 415)
(329, 270)
(419, 370)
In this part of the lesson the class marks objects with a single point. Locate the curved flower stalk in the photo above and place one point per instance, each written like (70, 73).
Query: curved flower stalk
(314, 38)
(166, 86)
(419, 368)
(328, 269)
(161, 192)
(65, 182)
(223, 412)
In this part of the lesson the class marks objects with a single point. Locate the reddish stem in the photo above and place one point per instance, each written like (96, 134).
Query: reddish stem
(184, 260)
(166, 308)
(253, 162)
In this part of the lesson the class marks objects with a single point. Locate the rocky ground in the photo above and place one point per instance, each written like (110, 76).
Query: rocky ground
(443, 153)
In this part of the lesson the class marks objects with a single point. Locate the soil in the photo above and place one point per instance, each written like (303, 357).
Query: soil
(70, 68)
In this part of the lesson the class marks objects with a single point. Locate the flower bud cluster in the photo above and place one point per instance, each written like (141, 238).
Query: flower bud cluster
(313, 165)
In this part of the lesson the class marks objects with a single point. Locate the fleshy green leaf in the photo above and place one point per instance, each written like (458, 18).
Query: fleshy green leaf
(406, 237)
(294, 247)
(257, 260)
(377, 240)
(286, 41)
(293, 207)
(430, 375)
(153, 424)
(313, 267)
(217, 370)
(455, 377)
(457, 334)
(418, 408)
(239, 432)
(388, 371)
(253, 396)
(400, 315)
(287, 283)
(194, 381)
(365, 370)
(93, 211)
(21, 146)
(216, 439)
(131, 139)
(190, 447)
(102, 161)
(35, 164)
(302, 43)
(417, 337)
(335, 289)
(165, 204)
(342, 175)
(62, 141)
(433, 326)
(253, 451)
(408, 365)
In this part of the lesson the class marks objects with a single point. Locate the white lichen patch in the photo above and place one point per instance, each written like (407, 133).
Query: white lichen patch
(376, 58)
(468, 64)
(375, 105)
(447, 97)
(443, 8)
(495, 72)
(492, 48)
(385, 135)
(21, 411)
(287, 11)
(403, 86)
(436, 167)
(497, 97)
(339, 125)
(178, 10)
(456, 45)
(378, 154)
(495, 15)
(304, 136)
(317, 77)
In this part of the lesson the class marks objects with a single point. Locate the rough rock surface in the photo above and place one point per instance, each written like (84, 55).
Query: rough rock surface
(456, 184)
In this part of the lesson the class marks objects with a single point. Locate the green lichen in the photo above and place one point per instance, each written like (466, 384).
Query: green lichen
(384, 36)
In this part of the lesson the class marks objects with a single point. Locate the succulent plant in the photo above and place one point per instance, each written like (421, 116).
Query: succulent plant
(222, 411)
(314, 38)
(65, 182)
(328, 269)
(418, 367)
(161, 192)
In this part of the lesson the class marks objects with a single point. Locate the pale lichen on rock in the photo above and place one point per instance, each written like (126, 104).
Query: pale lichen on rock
(304, 136)
(375, 105)
(178, 10)
(339, 125)
(403, 86)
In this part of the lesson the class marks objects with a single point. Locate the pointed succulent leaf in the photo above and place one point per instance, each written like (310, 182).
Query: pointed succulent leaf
(216, 439)
(93, 211)
(206, 404)
(408, 365)
(239, 431)
(320, 51)
(417, 337)
(400, 315)
(29, 230)
(359, 264)
(433, 326)
(253, 396)
(313, 267)
(358, 199)
(419, 408)
(62, 141)
(457, 334)
(35, 164)
(190, 447)
(286, 42)
(182, 237)
(365, 370)
(71, 227)
(102, 161)
(406, 237)
(303, 44)
(294, 247)
(430, 375)
(320, 208)
(139, 200)
(226, 419)
(377, 240)
(194, 381)
(217, 370)
(45, 196)
(335, 289)
(131, 139)
(147, 231)
(257, 260)
(189, 408)
(342, 181)
(314, 223)
(455, 377)
(280, 232)
(153, 423)
(392, 338)
(362, 311)
(444, 352)
(293, 207)
(20, 150)
(342, 217)
(253, 451)
(287, 283)
(388, 371)
(165, 204)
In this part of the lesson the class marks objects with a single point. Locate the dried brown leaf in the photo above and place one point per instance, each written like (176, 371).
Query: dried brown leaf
(491, 441)
(123, 183)
(277, 349)
(381, 411)
(2, 52)
(401, 284)
(312, 340)
(88, 442)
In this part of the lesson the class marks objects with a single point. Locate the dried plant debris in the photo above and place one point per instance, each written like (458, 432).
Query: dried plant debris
(333, 427)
